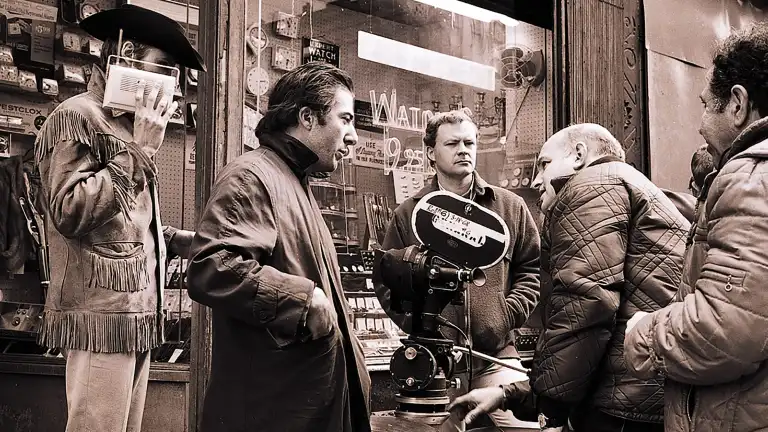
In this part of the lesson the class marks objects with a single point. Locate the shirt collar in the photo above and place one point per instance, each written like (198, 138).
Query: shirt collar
(96, 87)
(481, 188)
(294, 152)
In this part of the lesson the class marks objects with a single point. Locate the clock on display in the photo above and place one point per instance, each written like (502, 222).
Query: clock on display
(287, 25)
(255, 43)
(71, 41)
(284, 59)
(257, 81)
(87, 9)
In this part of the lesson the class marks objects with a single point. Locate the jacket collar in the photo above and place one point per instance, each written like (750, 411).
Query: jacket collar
(752, 142)
(97, 83)
(559, 182)
(481, 187)
(294, 152)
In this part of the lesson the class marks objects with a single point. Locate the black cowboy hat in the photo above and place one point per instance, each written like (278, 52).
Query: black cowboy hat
(147, 27)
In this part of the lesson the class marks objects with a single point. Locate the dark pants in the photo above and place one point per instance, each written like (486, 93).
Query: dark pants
(598, 421)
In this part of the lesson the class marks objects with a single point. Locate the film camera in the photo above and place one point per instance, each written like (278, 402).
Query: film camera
(458, 240)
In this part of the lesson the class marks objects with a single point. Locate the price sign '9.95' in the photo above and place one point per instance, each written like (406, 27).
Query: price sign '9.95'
(402, 158)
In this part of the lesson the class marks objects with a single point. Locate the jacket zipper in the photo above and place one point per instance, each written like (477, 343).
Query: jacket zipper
(689, 414)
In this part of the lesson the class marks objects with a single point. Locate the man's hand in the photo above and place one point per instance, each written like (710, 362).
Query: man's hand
(151, 118)
(321, 316)
(634, 320)
(477, 402)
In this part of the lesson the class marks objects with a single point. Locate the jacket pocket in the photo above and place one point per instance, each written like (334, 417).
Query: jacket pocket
(119, 266)
(727, 277)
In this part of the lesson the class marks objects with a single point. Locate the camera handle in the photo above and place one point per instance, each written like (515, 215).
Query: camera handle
(491, 359)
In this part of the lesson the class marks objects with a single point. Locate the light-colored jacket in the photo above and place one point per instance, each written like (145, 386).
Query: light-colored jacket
(100, 197)
(712, 346)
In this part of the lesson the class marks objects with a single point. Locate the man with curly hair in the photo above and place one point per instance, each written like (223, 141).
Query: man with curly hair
(711, 345)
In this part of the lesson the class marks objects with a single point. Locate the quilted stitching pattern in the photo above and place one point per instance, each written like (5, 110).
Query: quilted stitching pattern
(616, 247)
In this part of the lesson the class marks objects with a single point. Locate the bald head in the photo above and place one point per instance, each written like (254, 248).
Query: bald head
(569, 151)
(597, 139)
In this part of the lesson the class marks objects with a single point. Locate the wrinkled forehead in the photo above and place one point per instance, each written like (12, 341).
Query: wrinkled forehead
(705, 94)
(457, 131)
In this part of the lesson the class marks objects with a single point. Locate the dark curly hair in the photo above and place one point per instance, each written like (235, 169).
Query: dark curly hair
(310, 85)
(742, 59)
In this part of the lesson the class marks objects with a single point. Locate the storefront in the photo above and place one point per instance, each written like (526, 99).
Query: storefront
(523, 70)
(44, 59)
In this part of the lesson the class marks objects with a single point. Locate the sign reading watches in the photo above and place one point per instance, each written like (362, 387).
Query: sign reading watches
(315, 50)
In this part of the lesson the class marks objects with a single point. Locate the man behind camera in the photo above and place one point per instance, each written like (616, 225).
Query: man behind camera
(491, 312)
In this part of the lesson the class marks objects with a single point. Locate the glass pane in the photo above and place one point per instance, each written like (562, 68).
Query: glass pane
(45, 60)
(408, 59)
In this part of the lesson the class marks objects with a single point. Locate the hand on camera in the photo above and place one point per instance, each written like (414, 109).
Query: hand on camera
(321, 316)
(476, 403)
(151, 118)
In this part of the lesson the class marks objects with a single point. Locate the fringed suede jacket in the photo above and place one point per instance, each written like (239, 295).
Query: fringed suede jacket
(107, 247)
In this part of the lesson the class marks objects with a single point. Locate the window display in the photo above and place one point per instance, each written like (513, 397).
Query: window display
(45, 59)
(409, 59)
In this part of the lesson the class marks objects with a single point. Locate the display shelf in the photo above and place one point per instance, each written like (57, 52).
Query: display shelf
(326, 212)
(357, 273)
(360, 293)
(17, 90)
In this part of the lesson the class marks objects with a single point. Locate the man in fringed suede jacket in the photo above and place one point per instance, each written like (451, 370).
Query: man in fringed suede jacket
(107, 244)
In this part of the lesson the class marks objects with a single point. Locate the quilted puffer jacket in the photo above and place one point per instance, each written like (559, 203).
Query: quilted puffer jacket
(712, 346)
(615, 244)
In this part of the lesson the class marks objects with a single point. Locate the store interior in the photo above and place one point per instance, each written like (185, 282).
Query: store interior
(408, 60)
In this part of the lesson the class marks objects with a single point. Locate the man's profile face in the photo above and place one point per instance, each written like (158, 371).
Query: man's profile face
(331, 135)
(557, 159)
(717, 124)
(455, 151)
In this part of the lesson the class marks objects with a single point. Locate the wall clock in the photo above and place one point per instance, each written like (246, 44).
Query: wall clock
(257, 81)
(86, 10)
(287, 25)
(255, 43)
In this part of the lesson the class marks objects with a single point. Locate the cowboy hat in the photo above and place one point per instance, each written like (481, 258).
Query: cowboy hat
(147, 27)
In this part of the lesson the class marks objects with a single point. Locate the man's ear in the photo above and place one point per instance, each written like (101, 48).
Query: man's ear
(431, 154)
(306, 118)
(580, 155)
(128, 49)
(740, 106)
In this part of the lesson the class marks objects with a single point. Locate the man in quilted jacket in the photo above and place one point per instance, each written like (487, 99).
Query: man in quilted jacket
(614, 244)
(712, 345)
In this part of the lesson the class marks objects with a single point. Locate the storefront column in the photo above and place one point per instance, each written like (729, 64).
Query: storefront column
(219, 141)
(598, 39)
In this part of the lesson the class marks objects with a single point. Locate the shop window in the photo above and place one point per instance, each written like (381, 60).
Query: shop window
(408, 59)
(45, 58)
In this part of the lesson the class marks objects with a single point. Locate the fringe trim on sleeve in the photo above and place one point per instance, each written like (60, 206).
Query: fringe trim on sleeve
(62, 126)
(105, 333)
(123, 187)
(69, 125)
(120, 274)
